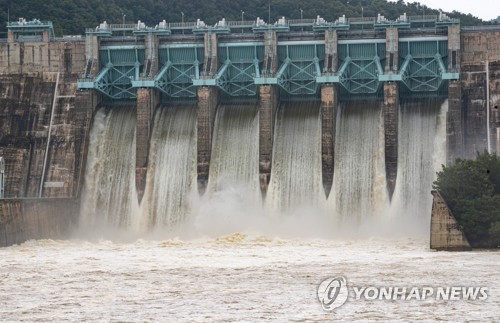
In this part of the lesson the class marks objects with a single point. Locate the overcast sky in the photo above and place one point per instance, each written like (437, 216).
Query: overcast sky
(484, 9)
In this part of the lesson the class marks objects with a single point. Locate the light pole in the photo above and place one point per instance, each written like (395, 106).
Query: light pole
(242, 13)
(423, 16)
(182, 13)
(301, 17)
(123, 22)
(362, 16)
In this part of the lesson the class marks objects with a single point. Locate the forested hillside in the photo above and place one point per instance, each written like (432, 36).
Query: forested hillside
(73, 16)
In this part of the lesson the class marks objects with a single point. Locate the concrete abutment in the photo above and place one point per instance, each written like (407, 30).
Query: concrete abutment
(446, 234)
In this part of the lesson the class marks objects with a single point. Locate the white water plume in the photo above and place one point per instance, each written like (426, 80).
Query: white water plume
(233, 203)
(171, 167)
(296, 181)
(108, 197)
(359, 191)
(235, 152)
(421, 152)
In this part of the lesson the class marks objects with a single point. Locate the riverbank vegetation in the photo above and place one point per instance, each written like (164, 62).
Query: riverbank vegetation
(471, 189)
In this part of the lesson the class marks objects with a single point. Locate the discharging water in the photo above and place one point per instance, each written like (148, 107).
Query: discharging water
(296, 181)
(359, 187)
(235, 152)
(171, 168)
(421, 152)
(108, 197)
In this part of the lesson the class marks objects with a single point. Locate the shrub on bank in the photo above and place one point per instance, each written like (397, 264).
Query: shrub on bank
(471, 189)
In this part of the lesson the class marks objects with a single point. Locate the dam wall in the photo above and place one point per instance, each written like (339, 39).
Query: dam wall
(44, 119)
(26, 219)
(50, 89)
(479, 92)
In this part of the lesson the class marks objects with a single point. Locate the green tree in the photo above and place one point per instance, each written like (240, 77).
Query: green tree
(472, 190)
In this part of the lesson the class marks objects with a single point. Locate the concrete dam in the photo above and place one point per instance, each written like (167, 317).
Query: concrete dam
(141, 127)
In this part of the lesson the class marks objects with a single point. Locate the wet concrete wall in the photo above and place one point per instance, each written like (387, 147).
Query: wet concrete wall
(39, 102)
(27, 219)
(480, 60)
(445, 231)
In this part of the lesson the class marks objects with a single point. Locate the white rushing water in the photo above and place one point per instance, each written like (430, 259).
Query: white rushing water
(359, 191)
(171, 167)
(235, 151)
(232, 200)
(235, 278)
(421, 152)
(108, 197)
(296, 181)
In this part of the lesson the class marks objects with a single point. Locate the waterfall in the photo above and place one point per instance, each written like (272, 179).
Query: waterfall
(359, 186)
(421, 152)
(171, 167)
(108, 197)
(359, 192)
(232, 201)
(296, 180)
(235, 151)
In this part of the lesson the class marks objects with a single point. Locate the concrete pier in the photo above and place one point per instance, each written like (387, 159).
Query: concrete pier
(268, 103)
(208, 99)
(329, 99)
(331, 54)
(391, 110)
(392, 50)
(147, 101)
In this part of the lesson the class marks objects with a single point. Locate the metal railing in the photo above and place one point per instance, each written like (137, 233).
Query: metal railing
(181, 25)
(244, 23)
(301, 22)
(283, 22)
(362, 20)
(423, 17)
(33, 23)
(481, 28)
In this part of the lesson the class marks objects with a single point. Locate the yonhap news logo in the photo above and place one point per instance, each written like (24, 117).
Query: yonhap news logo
(333, 292)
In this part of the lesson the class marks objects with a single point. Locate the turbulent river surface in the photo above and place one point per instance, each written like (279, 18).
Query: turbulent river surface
(235, 277)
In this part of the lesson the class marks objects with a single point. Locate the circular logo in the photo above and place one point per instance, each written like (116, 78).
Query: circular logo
(332, 293)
